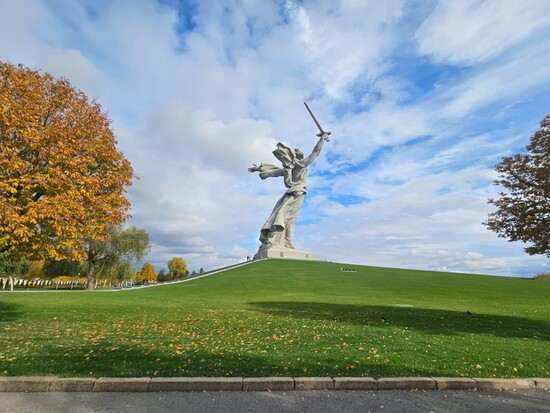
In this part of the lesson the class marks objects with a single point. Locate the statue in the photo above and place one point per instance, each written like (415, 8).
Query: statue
(277, 234)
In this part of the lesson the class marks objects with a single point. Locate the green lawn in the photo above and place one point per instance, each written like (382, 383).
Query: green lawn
(287, 318)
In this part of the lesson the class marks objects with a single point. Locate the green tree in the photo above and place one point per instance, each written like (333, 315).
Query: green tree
(523, 209)
(12, 265)
(53, 269)
(122, 245)
(62, 178)
(116, 271)
(162, 276)
(177, 267)
(125, 271)
(146, 274)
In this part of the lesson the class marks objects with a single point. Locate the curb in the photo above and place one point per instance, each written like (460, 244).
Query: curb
(406, 383)
(186, 384)
(195, 384)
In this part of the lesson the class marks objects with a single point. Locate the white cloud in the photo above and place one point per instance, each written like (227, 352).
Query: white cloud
(27, 31)
(384, 125)
(466, 32)
(17, 21)
(523, 72)
(73, 65)
(345, 42)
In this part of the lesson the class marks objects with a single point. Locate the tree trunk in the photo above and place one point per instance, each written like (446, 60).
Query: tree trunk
(90, 278)
(11, 283)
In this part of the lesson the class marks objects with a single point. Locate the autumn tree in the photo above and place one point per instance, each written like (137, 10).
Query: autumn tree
(62, 179)
(177, 267)
(120, 246)
(523, 208)
(36, 270)
(146, 274)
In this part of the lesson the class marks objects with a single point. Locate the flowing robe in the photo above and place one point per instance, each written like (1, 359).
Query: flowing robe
(278, 230)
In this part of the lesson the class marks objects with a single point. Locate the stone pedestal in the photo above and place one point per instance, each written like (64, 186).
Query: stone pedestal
(284, 253)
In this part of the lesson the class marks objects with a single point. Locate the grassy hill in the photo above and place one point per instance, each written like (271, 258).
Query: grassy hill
(287, 318)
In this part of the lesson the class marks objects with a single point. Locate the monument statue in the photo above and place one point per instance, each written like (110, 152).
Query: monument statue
(277, 234)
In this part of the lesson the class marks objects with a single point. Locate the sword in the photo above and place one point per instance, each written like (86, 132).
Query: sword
(321, 131)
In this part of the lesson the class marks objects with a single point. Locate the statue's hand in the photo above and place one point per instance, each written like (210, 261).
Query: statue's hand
(326, 136)
(254, 168)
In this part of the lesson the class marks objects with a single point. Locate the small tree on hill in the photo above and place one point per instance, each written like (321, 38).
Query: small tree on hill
(523, 209)
(146, 274)
(177, 267)
(162, 276)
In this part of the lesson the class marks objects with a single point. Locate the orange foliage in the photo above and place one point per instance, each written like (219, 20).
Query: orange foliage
(62, 178)
(68, 279)
(36, 271)
(146, 274)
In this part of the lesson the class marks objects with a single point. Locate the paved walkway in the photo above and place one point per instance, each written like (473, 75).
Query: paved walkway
(132, 288)
(529, 401)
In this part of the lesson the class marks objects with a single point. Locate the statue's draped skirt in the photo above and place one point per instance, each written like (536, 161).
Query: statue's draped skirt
(279, 227)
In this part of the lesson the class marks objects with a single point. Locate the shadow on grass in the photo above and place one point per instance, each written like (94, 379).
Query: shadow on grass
(128, 362)
(429, 320)
(8, 312)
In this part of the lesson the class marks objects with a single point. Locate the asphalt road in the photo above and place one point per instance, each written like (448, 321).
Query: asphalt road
(532, 401)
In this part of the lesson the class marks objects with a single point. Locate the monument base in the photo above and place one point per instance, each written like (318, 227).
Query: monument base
(284, 253)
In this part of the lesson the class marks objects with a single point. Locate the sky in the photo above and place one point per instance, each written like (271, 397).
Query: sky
(423, 98)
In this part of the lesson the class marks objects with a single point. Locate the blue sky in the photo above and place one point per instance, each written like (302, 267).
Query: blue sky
(423, 98)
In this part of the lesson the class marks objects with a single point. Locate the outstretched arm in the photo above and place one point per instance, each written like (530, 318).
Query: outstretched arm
(267, 170)
(316, 150)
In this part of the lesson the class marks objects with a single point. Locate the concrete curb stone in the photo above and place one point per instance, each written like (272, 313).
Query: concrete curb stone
(406, 383)
(123, 384)
(355, 383)
(158, 384)
(268, 383)
(313, 383)
(454, 383)
(25, 383)
(541, 383)
(72, 384)
(502, 384)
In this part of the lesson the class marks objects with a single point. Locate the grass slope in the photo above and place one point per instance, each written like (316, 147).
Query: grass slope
(286, 318)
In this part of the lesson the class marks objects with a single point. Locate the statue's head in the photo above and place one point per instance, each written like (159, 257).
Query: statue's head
(287, 156)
